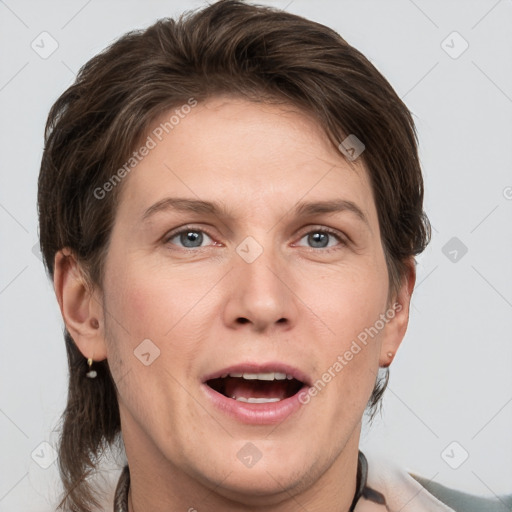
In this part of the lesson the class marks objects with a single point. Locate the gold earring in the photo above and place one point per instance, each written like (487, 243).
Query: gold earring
(91, 373)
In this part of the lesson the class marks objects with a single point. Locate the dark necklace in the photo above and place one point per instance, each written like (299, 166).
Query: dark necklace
(123, 486)
(362, 475)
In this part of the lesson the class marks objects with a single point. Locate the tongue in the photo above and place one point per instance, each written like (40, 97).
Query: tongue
(237, 387)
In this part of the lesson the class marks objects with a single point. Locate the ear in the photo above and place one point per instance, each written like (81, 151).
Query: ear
(81, 308)
(398, 315)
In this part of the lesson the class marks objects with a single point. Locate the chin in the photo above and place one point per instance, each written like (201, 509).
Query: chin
(265, 481)
(262, 487)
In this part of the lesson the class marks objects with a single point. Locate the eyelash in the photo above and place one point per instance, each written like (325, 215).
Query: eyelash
(187, 229)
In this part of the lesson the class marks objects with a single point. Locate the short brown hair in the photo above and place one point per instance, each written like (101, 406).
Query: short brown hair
(233, 48)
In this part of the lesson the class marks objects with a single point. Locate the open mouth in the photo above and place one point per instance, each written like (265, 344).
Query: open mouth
(256, 388)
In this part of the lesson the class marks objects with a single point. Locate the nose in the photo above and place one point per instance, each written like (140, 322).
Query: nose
(261, 293)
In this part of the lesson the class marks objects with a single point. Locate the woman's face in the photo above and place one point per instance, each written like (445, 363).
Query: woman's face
(244, 243)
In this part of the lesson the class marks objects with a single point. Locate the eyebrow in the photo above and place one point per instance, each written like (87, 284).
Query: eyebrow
(302, 209)
(332, 206)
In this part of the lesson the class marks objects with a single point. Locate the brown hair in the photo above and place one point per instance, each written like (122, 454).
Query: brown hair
(233, 48)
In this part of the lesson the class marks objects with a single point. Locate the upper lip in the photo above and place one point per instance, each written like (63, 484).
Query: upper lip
(251, 367)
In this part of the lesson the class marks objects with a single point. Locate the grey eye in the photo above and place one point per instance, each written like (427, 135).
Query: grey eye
(318, 239)
(321, 239)
(189, 238)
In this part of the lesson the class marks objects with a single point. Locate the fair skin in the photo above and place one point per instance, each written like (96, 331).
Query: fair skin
(301, 303)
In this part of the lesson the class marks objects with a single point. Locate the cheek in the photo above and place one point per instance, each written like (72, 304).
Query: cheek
(166, 308)
(348, 300)
(350, 303)
(152, 303)
(148, 340)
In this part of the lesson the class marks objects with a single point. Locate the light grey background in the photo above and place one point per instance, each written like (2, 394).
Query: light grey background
(451, 380)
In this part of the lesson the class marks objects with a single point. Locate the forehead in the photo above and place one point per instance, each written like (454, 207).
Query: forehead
(254, 156)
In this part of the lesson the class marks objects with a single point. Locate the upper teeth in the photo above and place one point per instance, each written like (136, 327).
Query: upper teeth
(260, 376)
(252, 400)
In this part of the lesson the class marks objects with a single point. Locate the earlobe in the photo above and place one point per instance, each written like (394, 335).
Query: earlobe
(81, 309)
(397, 326)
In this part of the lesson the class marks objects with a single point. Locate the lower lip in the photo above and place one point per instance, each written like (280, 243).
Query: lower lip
(255, 414)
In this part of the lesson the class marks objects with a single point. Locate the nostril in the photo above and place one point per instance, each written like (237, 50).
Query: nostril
(242, 320)
(281, 320)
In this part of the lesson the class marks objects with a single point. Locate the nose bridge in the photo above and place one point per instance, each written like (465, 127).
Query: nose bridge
(259, 267)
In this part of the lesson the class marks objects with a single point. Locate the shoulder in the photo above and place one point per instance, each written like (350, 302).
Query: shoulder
(404, 492)
(463, 502)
